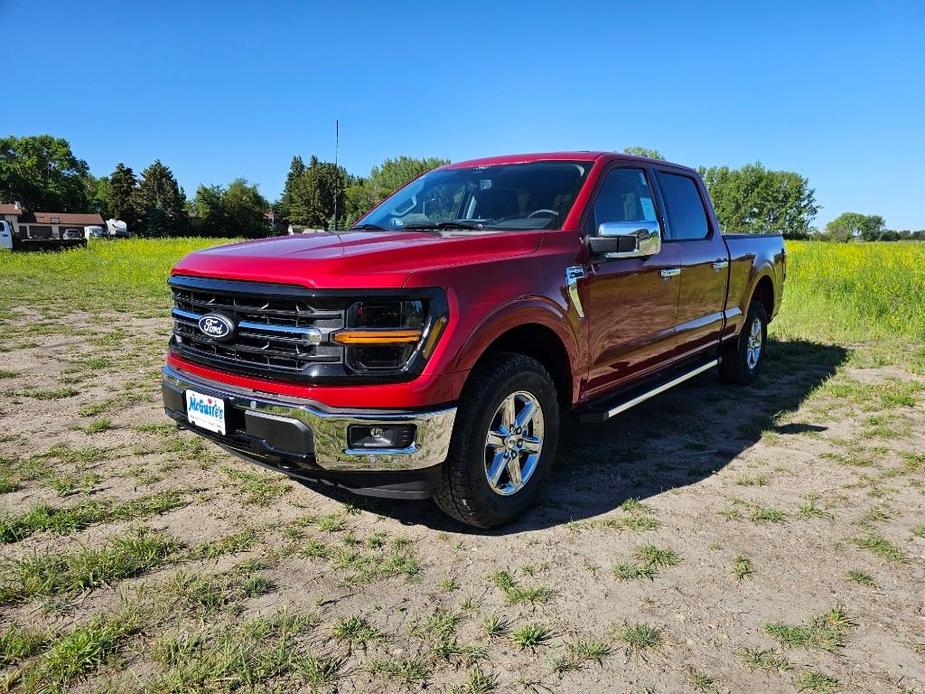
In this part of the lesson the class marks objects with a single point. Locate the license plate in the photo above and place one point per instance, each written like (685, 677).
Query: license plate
(205, 411)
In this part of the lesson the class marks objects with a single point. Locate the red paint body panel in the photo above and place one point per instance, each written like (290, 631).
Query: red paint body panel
(635, 322)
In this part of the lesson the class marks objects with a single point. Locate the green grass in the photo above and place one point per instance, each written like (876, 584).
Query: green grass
(517, 594)
(123, 275)
(69, 572)
(883, 548)
(860, 577)
(495, 625)
(255, 488)
(84, 648)
(62, 521)
(640, 637)
(355, 632)
(229, 544)
(396, 557)
(18, 643)
(699, 681)
(633, 515)
(853, 292)
(765, 660)
(530, 636)
(826, 631)
(407, 671)
(649, 561)
(818, 682)
(741, 567)
(244, 655)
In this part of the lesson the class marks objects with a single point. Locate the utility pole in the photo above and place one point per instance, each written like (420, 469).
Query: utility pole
(336, 170)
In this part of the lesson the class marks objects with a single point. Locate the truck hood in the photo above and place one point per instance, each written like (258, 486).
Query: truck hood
(354, 259)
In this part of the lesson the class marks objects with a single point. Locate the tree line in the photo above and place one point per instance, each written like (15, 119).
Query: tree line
(753, 199)
(42, 173)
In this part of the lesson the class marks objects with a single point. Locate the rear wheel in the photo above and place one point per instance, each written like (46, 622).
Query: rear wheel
(504, 442)
(742, 358)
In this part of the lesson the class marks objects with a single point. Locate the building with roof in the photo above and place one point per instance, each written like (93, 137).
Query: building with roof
(48, 225)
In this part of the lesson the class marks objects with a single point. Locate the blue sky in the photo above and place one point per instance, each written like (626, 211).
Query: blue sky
(834, 90)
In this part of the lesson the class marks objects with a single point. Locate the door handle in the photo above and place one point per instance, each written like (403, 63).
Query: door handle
(670, 272)
(721, 264)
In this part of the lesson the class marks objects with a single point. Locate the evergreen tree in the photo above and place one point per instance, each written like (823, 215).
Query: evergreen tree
(296, 171)
(312, 198)
(122, 193)
(160, 202)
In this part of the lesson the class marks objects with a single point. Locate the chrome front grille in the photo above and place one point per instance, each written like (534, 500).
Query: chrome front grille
(276, 331)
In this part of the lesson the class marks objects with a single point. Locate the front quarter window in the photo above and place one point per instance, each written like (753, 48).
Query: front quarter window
(533, 195)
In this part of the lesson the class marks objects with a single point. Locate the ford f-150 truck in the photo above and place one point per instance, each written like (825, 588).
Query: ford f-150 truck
(432, 349)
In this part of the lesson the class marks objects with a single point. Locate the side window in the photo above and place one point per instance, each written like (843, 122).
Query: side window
(625, 196)
(686, 217)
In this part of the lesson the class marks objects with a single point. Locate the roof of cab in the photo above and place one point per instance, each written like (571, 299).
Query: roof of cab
(587, 155)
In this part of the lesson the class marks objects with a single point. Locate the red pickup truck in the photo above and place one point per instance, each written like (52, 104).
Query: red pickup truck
(432, 349)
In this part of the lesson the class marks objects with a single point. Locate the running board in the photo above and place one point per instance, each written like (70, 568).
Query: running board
(634, 396)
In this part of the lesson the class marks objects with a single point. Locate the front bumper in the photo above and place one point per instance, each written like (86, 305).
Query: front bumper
(307, 440)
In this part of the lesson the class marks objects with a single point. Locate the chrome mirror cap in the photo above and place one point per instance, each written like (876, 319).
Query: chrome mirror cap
(637, 239)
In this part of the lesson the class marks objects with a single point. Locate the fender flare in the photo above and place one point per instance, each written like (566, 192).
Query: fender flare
(524, 311)
(765, 269)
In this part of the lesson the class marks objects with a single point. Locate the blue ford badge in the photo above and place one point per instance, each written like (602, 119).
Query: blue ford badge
(217, 326)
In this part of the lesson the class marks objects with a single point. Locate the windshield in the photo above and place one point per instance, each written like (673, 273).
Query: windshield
(535, 195)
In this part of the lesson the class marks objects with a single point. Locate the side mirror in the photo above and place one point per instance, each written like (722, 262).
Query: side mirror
(626, 239)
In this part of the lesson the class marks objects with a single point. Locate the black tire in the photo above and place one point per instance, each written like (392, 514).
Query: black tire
(736, 366)
(465, 492)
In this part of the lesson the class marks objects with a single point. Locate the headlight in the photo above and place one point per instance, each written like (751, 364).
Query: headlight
(388, 335)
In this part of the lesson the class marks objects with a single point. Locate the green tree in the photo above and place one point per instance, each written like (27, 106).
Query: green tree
(638, 151)
(316, 194)
(235, 210)
(42, 173)
(384, 180)
(98, 194)
(160, 202)
(207, 209)
(753, 199)
(245, 208)
(853, 225)
(296, 171)
(122, 196)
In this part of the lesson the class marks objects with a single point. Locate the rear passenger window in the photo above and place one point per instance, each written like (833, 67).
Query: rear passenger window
(624, 197)
(686, 217)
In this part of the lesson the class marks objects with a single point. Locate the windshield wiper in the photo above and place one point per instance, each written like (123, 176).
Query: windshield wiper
(446, 225)
(367, 227)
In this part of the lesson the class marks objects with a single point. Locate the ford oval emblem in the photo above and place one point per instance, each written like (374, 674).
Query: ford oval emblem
(217, 326)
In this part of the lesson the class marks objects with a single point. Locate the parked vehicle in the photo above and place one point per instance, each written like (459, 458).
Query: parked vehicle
(432, 349)
(8, 239)
(117, 228)
(94, 232)
(6, 234)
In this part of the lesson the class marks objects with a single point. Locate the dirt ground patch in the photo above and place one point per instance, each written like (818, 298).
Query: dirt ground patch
(713, 539)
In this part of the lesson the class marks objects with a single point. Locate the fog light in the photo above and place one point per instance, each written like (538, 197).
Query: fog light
(380, 436)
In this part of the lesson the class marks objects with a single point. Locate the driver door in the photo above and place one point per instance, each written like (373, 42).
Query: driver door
(633, 302)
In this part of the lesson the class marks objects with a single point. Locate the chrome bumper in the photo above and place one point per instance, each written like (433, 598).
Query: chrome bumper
(328, 426)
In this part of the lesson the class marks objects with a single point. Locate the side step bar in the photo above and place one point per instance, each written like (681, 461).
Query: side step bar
(634, 396)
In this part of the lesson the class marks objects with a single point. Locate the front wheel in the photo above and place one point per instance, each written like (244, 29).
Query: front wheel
(742, 358)
(504, 442)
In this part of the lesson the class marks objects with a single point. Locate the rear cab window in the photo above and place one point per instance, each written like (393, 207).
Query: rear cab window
(687, 216)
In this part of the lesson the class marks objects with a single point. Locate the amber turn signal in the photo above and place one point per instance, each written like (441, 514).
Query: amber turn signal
(377, 337)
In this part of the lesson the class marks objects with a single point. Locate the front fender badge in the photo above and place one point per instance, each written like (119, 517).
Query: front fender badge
(573, 273)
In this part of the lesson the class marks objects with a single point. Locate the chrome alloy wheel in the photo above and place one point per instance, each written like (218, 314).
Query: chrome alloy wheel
(514, 443)
(753, 348)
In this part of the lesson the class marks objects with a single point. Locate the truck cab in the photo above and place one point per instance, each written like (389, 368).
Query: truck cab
(433, 349)
(6, 234)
